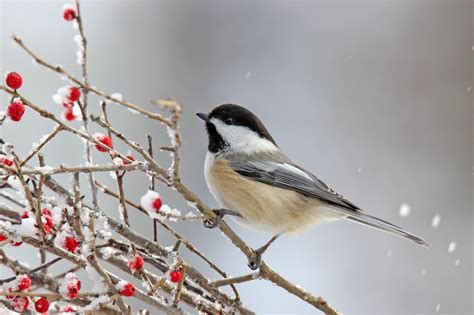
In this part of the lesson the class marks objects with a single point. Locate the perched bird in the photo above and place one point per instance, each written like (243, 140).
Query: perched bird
(254, 181)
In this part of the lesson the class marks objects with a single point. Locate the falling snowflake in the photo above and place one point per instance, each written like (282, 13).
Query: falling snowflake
(405, 210)
(437, 307)
(457, 262)
(424, 272)
(247, 76)
(436, 221)
(452, 247)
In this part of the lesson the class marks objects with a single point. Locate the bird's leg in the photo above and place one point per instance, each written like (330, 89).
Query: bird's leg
(256, 260)
(220, 213)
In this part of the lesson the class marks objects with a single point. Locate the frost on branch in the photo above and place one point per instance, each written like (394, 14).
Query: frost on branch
(67, 223)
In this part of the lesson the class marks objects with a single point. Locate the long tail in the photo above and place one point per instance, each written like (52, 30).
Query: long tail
(379, 224)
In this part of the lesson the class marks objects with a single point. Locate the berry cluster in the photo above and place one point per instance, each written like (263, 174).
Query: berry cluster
(16, 109)
(68, 96)
(21, 283)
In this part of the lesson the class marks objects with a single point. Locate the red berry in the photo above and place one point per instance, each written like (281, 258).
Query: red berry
(25, 214)
(70, 244)
(20, 304)
(3, 237)
(175, 276)
(48, 222)
(130, 157)
(5, 161)
(127, 289)
(24, 282)
(16, 110)
(16, 244)
(136, 263)
(157, 204)
(69, 114)
(67, 309)
(46, 211)
(14, 80)
(69, 13)
(104, 140)
(42, 305)
(74, 94)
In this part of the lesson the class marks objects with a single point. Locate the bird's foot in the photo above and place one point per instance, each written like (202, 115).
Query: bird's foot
(220, 213)
(256, 260)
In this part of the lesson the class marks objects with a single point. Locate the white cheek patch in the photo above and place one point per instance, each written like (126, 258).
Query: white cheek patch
(242, 139)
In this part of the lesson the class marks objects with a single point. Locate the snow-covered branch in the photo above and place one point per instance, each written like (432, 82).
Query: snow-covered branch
(68, 223)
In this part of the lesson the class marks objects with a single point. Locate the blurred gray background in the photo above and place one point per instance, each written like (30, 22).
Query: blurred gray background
(373, 96)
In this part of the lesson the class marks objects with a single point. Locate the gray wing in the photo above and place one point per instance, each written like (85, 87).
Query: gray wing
(293, 177)
(286, 175)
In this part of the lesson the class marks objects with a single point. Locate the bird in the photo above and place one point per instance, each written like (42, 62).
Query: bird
(256, 183)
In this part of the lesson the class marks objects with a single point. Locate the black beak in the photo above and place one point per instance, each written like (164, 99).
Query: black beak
(203, 116)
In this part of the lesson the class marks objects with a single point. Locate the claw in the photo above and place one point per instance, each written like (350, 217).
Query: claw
(211, 224)
(255, 262)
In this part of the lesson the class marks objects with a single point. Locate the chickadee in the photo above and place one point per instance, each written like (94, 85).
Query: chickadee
(253, 180)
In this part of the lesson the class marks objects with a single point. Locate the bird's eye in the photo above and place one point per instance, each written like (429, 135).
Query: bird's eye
(229, 120)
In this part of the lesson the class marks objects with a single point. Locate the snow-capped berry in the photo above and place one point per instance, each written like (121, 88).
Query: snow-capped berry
(136, 263)
(70, 286)
(125, 288)
(70, 244)
(24, 282)
(176, 276)
(69, 114)
(48, 222)
(3, 237)
(151, 201)
(67, 309)
(129, 157)
(46, 211)
(69, 12)
(42, 305)
(104, 140)
(74, 94)
(20, 303)
(16, 110)
(5, 161)
(14, 80)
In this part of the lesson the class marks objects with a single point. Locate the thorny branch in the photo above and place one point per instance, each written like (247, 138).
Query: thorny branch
(114, 243)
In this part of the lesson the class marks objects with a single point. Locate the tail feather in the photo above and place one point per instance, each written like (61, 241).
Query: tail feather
(379, 224)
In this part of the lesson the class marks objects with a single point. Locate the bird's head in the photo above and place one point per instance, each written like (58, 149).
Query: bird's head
(235, 128)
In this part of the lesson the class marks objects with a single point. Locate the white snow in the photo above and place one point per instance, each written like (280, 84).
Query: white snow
(452, 247)
(405, 210)
(46, 170)
(436, 221)
(27, 228)
(121, 284)
(98, 284)
(97, 303)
